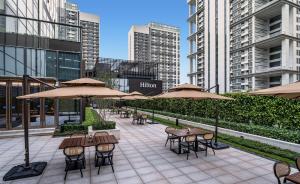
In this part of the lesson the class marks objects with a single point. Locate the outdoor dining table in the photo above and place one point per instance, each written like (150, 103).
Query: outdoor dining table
(181, 133)
(88, 142)
(295, 178)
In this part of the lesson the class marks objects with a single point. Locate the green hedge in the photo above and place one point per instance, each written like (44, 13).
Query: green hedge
(92, 118)
(257, 110)
(275, 133)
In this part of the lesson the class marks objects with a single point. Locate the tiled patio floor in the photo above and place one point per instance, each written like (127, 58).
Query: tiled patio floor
(140, 157)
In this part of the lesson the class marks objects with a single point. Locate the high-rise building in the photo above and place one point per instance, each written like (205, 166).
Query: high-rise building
(258, 38)
(157, 43)
(263, 43)
(70, 15)
(90, 39)
(208, 46)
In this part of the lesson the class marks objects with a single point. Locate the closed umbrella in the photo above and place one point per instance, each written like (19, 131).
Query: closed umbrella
(189, 91)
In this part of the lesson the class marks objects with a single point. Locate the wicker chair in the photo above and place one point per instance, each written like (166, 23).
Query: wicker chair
(281, 170)
(189, 144)
(135, 118)
(103, 152)
(207, 142)
(77, 135)
(298, 163)
(170, 137)
(75, 159)
(144, 118)
(101, 134)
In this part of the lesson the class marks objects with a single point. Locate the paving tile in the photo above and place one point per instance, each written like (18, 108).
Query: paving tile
(145, 170)
(209, 181)
(189, 169)
(131, 180)
(228, 179)
(125, 174)
(198, 176)
(150, 177)
(171, 173)
(180, 180)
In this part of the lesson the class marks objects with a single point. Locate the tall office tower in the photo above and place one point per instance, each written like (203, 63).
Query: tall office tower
(31, 43)
(263, 43)
(208, 44)
(157, 43)
(90, 39)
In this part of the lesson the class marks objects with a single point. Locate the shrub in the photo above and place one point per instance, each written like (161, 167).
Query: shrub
(72, 128)
(275, 133)
(92, 118)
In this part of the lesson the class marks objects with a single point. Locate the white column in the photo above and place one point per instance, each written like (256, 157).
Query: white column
(285, 52)
(285, 12)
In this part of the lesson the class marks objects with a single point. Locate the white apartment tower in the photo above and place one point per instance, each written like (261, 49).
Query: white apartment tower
(69, 15)
(157, 43)
(208, 48)
(259, 38)
(263, 43)
(90, 39)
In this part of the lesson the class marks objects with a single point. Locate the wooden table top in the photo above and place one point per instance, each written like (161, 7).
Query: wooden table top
(184, 132)
(86, 142)
(295, 178)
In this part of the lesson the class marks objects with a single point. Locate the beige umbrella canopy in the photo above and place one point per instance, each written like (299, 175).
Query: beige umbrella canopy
(135, 96)
(291, 91)
(84, 82)
(76, 92)
(190, 91)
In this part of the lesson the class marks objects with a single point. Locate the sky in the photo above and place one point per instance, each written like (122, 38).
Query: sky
(117, 16)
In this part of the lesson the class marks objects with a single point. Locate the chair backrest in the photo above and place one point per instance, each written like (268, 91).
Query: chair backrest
(169, 128)
(144, 116)
(190, 138)
(101, 134)
(105, 147)
(208, 136)
(73, 151)
(298, 163)
(78, 135)
(281, 169)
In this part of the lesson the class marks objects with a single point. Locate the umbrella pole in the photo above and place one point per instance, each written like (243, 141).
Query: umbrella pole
(25, 120)
(28, 169)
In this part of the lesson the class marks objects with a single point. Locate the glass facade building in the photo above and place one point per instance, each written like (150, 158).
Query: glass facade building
(31, 44)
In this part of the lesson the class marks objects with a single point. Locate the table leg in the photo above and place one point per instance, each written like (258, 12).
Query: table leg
(196, 145)
(179, 145)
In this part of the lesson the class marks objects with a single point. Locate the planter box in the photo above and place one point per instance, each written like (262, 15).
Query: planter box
(115, 132)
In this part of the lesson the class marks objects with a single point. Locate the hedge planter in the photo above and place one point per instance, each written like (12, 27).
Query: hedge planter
(115, 132)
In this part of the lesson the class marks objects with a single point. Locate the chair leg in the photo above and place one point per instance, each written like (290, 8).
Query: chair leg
(206, 150)
(111, 164)
(188, 152)
(166, 142)
(67, 169)
(81, 173)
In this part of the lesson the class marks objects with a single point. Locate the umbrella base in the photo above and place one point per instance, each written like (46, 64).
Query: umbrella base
(21, 171)
(219, 145)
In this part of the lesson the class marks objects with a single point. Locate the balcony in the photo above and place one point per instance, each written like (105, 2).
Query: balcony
(271, 40)
(263, 71)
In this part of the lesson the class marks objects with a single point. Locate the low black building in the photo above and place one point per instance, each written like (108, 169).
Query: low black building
(128, 76)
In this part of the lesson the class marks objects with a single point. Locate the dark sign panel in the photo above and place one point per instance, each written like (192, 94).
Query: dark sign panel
(147, 87)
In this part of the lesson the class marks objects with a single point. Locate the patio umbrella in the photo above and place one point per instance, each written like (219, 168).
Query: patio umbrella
(291, 91)
(189, 91)
(79, 88)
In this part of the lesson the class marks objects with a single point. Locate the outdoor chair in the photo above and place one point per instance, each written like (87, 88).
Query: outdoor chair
(170, 137)
(135, 118)
(103, 152)
(77, 135)
(189, 144)
(281, 170)
(101, 134)
(143, 119)
(298, 163)
(207, 142)
(75, 159)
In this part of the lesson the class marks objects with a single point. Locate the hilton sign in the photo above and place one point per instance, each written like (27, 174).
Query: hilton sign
(147, 87)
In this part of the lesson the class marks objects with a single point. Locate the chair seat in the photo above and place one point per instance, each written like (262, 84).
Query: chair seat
(185, 144)
(74, 158)
(173, 137)
(204, 143)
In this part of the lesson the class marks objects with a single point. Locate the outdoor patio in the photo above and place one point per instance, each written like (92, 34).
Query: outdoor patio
(140, 157)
